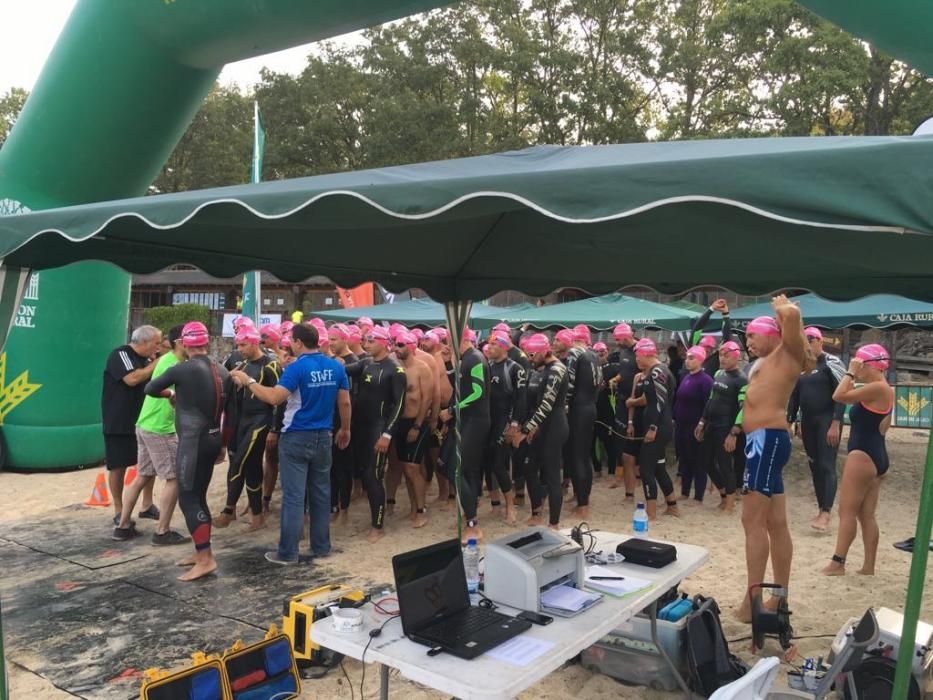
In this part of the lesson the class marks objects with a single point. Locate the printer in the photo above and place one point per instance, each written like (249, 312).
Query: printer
(521, 565)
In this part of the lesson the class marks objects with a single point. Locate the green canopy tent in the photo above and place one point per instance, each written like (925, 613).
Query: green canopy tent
(412, 312)
(606, 312)
(843, 216)
(876, 311)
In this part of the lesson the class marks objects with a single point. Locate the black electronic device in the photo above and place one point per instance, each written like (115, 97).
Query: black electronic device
(766, 621)
(535, 618)
(647, 552)
(434, 604)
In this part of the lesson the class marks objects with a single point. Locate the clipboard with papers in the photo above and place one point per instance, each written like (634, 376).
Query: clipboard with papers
(566, 600)
(611, 582)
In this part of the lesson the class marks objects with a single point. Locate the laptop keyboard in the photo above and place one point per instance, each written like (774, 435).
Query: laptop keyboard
(462, 626)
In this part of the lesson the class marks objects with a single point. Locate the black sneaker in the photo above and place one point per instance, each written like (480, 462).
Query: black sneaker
(274, 558)
(123, 534)
(116, 521)
(168, 538)
(151, 513)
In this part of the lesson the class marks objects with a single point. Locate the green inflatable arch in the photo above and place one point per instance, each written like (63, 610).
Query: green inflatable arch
(118, 91)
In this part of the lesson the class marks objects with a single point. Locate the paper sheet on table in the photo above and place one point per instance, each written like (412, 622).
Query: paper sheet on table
(520, 650)
(628, 584)
(567, 598)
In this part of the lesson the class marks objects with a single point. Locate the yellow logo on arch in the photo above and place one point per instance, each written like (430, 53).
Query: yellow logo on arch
(14, 393)
(913, 404)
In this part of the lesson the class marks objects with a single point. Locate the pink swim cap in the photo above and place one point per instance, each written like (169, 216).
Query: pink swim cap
(395, 329)
(271, 332)
(241, 321)
(418, 333)
(564, 336)
(286, 341)
(708, 341)
(646, 347)
(194, 335)
(731, 348)
(469, 335)
(380, 335)
(600, 347)
(365, 321)
(813, 332)
(339, 331)
(406, 338)
(503, 327)
(537, 343)
(286, 327)
(431, 338)
(623, 330)
(247, 334)
(874, 355)
(697, 351)
(582, 333)
(764, 325)
(356, 335)
(441, 333)
(500, 339)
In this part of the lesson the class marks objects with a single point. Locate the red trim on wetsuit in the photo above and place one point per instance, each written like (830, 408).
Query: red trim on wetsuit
(202, 536)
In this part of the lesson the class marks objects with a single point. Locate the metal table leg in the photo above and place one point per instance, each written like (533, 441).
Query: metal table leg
(383, 682)
(653, 616)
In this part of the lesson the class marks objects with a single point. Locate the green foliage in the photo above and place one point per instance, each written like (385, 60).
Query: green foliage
(11, 104)
(166, 317)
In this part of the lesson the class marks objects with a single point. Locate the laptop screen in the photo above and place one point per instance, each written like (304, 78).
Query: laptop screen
(431, 584)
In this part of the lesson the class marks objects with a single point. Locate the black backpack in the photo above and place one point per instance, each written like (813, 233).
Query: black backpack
(709, 662)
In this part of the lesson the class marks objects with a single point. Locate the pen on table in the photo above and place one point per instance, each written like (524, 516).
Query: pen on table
(606, 578)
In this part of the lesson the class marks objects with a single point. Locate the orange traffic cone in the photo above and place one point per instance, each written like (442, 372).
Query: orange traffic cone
(99, 496)
(130, 475)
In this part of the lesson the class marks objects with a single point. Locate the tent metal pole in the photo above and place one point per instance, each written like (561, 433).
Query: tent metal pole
(457, 313)
(918, 568)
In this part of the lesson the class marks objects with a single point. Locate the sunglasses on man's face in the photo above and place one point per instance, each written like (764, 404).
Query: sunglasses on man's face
(401, 346)
(369, 339)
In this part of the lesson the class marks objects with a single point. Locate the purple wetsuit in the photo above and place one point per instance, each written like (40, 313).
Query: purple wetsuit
(692, 394)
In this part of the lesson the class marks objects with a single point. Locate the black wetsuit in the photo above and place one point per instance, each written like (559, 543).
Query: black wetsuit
(605, 422)
(585, 377)
(520, 453)
(201, 388)
(711, 363)
(657, 386)
(474, 431)
(624, 365)
(380, 398)
(720, 416)
(813, 398)
(547, 396)
(341, 467)
(508, 385)
(253, 419)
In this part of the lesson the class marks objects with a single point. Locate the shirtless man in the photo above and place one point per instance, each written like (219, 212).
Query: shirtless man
(783, 353)
(411, 433)
(433, 344)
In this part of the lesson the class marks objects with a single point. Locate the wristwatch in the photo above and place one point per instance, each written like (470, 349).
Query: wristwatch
(388, 436)
(251, 382)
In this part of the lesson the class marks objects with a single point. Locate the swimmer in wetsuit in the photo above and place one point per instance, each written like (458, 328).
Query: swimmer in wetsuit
(380, 398)
(783, 354)
(585, 378)
(624, 369)
(545, 430)
(341, 468)
(708, 342)
(201, 388)
(867, 461)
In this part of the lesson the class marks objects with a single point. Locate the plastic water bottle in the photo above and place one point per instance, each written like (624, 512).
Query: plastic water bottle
(471, 566)
(640, 521)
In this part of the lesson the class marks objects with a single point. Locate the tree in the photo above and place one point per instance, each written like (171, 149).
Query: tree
(11, 104)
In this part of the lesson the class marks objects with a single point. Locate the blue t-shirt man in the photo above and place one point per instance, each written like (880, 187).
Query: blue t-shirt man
(313, 381)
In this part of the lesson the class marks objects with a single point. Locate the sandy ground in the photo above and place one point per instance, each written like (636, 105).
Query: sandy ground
(820, 605)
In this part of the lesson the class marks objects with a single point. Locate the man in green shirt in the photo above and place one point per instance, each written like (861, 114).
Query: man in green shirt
(157, 444)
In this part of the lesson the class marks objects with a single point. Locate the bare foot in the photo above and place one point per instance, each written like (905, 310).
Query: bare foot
(556, 526)
(744, 613)
(865, 572)
(821, 521)
(390, 508)
(535, 521)
(200, 570)
(375, 534)
(257, 522)
(582, 512)
(673, 510)
(419, 520)
(223, 519)
(511, 517)
(187, 561)
(833, 568)
(471, 533)
(243, 511)
(448, 505)
(728, 504)
(616, 484)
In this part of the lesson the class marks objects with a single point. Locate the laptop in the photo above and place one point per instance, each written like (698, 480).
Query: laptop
(435, 606)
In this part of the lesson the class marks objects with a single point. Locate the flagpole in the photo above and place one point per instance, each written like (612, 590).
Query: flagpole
(252, 281)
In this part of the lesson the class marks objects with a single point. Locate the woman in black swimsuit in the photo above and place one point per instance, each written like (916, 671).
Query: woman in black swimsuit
(867, 461)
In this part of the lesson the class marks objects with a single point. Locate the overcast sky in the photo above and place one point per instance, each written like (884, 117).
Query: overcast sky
(29, 28)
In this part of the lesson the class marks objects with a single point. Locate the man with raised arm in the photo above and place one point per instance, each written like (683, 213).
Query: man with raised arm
(783, 354)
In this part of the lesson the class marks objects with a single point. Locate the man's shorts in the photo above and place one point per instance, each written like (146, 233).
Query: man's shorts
(120, 451)
(157, 454)
(766, 452)
(409, 452)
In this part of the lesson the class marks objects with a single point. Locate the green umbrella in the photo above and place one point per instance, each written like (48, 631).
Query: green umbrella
(606, 312)
(847, 216)
(876, 311)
